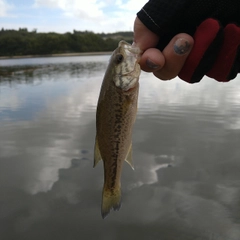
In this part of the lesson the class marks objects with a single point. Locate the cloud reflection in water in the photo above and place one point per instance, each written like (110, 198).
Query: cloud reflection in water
(185, 147)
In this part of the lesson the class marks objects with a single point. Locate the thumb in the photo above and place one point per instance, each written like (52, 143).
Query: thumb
(143, 37)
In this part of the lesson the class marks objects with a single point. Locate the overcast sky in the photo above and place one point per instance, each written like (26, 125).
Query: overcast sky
(65, 15)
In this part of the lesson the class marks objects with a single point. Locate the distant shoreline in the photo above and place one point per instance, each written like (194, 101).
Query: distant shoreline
(57, 55)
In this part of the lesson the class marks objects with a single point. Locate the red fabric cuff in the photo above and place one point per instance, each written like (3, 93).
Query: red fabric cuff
(203, 38)
(222, 67)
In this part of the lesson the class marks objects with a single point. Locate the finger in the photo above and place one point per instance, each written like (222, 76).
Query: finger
(175, 54)
(143, 37)
(152, 60)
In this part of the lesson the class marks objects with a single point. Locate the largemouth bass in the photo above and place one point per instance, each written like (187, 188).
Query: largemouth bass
(116, 113)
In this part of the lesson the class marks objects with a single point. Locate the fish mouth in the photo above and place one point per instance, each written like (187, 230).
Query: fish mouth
(128, 71)
(131, 50)
(132, 55)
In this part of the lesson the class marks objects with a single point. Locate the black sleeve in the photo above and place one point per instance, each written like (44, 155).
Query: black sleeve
(166, 18)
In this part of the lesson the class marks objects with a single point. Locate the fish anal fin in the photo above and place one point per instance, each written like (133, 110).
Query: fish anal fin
(97, 154)
(129, 159)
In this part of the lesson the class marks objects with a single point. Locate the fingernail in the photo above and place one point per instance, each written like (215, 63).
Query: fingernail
(152, 64)
(181, 46)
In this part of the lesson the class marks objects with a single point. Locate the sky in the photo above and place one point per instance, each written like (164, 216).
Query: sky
(67, 15)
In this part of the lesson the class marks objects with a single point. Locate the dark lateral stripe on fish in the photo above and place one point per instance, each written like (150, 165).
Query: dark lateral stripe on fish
(113, 179)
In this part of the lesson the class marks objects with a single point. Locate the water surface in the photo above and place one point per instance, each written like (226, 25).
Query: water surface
(185, 148)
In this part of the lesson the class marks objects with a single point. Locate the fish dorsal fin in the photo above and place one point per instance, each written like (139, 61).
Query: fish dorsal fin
(129, 159)
(97, 154)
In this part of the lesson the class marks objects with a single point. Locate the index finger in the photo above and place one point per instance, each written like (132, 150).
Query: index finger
(143, 37)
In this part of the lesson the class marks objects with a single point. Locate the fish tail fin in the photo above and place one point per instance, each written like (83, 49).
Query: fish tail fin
(111, 198)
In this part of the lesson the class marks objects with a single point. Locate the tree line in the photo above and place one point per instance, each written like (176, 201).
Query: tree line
(23, 42)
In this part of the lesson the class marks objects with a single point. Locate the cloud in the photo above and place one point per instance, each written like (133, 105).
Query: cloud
(4, 8)
(131, 5)
(95, 15)
(74, 8)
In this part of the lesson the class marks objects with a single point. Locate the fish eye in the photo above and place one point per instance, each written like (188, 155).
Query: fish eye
(119, 58)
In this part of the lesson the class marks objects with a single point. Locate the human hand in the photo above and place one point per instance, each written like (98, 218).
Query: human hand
(214, 26)
(216, 52)
(164, 64)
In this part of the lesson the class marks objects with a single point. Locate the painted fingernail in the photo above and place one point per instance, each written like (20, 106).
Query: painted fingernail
(181, 46)
(151, 64)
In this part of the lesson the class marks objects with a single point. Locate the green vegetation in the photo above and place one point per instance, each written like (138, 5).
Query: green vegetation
(23, 42)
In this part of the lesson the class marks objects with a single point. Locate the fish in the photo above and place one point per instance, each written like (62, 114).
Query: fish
(115, 117)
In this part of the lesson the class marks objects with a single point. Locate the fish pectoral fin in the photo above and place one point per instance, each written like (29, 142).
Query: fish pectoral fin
(129, 159)
(97, 154)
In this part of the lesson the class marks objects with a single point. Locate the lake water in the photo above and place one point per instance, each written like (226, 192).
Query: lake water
(186, 183)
